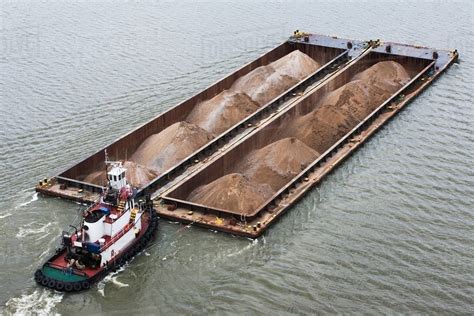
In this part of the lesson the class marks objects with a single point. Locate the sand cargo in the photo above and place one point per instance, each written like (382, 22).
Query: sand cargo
(235, 156)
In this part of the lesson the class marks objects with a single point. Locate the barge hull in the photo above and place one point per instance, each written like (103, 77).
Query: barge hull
(173, 207)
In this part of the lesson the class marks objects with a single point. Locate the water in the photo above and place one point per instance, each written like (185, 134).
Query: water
(389, 231)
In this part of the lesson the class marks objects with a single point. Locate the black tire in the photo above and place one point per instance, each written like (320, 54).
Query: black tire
(45, 281)
(39, 278)
(52, 283)
(68, 287)
(59, 286)
(38, 273)
(77, 286)
(85, 285)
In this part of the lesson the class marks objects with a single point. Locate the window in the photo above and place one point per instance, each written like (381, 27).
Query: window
(115, 178)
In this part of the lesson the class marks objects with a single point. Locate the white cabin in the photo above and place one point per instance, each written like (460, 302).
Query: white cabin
(116, 176)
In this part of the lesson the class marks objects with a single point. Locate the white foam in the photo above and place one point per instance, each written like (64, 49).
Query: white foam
(27, 230)
(118, 283)
(33, 198)
(110, 278)
(40, 302)
(5, 215)
(253, 243)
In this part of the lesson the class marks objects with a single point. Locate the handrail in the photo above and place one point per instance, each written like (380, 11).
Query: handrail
(117, 236)
(122, 232)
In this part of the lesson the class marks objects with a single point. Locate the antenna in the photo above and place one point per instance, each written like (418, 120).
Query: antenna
(106, 160)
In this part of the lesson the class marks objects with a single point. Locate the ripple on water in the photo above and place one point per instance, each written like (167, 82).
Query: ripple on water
(39, 302)
(389, 231)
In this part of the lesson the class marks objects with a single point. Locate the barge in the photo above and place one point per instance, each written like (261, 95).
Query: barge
(196, 188)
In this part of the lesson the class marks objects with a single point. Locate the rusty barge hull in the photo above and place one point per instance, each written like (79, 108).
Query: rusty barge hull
(341, 59)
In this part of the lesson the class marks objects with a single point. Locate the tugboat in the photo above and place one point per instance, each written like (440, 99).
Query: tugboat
(112, 231)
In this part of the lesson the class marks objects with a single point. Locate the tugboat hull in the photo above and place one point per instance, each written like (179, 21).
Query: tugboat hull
(54, 274)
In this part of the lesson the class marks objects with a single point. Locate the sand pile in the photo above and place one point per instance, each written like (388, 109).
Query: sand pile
(296, 64)
(257, 178)
(265, 83)
(250, 91)
(137, 175)
(340, 110)
(277, 163)
(232, 192)
(264, 171)
(165, 149)
(221, 112)
(96, 177)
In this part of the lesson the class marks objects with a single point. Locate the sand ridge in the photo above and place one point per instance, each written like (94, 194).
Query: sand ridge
(342, 109)
(221, 112)
(300, 141)
(165, 149)
(256, 178)
(231, 192)
(277, 163)
(209, 118)
(265, 83)
(158, 153)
